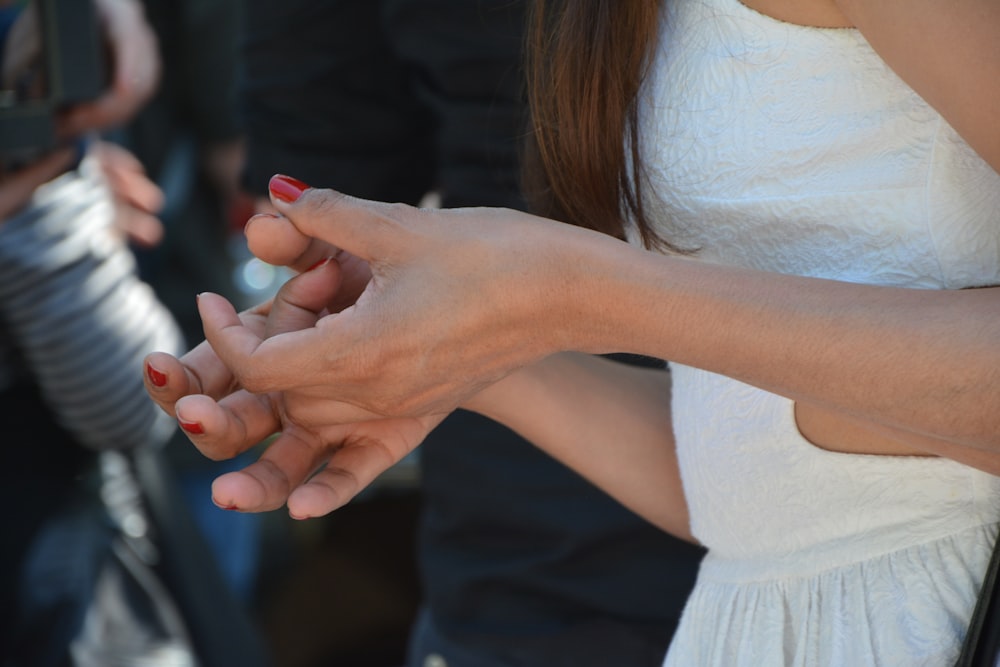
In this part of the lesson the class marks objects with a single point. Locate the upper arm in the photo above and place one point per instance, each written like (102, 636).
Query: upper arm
(948, 52)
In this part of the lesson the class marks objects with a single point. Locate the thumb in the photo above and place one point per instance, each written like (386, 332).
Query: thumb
(373, 231)
(303, 299)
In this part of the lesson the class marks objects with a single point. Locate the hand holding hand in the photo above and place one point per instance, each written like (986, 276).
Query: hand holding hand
(457, 299)
(347, 447)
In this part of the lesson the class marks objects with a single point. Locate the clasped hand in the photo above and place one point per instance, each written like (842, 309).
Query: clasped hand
(399, 316)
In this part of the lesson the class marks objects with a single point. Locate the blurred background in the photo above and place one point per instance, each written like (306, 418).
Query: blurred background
(340, 590)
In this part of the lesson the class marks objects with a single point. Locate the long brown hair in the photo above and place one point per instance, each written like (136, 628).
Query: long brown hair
(585, 63)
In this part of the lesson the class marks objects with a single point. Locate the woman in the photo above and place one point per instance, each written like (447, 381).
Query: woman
(822, 178)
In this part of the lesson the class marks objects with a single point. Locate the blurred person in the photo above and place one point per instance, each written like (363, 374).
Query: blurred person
(811, 192)
(520, 559)
(188, 138)
(69, 290)
(91, 572)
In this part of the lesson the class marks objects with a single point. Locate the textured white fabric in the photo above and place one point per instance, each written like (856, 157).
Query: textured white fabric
(797, 150)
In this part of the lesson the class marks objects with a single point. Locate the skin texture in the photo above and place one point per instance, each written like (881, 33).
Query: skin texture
(432, 310)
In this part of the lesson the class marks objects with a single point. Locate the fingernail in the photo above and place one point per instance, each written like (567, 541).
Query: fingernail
(224, 507)
(157, 378)
(286, 188)
(325, 260)
(194, 428)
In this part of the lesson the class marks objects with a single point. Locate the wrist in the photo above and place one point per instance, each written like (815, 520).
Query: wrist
(506, 399)
(593, 307)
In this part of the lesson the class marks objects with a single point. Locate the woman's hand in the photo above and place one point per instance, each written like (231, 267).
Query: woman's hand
(275, 240)
(324, 453)
(457, 300)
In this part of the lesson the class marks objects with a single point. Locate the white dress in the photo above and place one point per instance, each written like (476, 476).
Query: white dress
(796, 150)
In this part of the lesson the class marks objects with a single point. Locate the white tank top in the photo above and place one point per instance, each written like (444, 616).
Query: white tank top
(797, 150)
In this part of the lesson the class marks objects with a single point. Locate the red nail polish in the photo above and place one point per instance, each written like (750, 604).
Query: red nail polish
(157, 378)
(224, 507)
(194, 428)
(318, 264)
(286, 188)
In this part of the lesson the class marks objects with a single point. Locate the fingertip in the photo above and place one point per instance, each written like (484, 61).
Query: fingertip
(200, 415)
(286, 189)
(244, 491)
(191, 427)
(216, 312)
(203, 298)
(236, 491)
(256, 218)
(317, 265)
(275, 240)
(165, 380)
(313, 500)
(156, 376)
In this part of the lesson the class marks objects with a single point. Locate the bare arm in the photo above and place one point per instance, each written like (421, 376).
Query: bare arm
(924, 364)
(608, 421)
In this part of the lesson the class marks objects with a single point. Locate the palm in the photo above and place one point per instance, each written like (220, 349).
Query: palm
(316, 464)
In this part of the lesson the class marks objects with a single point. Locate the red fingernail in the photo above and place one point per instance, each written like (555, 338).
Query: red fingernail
(286, 188)
(320, 263)
(156, 377)
(194, 428)
(224, 507)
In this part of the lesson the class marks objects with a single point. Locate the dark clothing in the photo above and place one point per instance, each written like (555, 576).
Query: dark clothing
(523, 562)
(194, 108)
(386, 99)
(197, 91)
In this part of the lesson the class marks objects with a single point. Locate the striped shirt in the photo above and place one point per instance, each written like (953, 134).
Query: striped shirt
(76, 319)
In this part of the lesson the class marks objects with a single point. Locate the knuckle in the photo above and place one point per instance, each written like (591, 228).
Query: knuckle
(321, 201)
(253, 378)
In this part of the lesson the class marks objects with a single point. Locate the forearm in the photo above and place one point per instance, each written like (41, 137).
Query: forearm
(925, 362)
(607, 420)
(80, 317)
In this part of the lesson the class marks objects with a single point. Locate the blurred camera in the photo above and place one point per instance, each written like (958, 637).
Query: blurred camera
(51, 56)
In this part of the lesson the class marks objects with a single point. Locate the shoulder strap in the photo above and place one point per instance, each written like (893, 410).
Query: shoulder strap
(982, 641)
